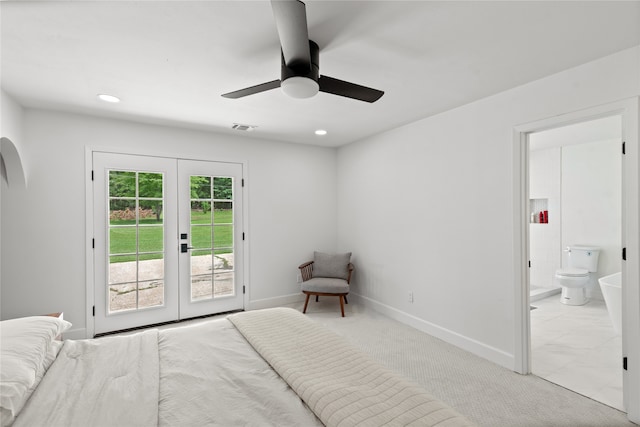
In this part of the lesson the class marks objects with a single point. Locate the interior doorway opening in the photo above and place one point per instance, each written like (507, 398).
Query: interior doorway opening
(575, 191)
(628, 110)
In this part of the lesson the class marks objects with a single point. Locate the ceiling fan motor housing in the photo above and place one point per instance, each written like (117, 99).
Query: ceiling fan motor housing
(301, 80)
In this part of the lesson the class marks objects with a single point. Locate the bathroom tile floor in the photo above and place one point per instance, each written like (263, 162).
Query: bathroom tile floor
(577, 348)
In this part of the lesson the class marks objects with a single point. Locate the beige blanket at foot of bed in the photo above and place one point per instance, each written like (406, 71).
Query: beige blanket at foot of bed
(341, 385)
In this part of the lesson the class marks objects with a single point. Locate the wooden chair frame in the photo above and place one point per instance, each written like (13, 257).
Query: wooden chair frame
(306, 270)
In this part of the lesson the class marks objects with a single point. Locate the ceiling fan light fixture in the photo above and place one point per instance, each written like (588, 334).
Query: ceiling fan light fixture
(300, 87)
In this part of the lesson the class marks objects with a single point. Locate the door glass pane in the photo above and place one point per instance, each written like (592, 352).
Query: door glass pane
(223, 262)
(223, 284)
(123, 297)
(150, 239)
(200, 212)
(150, 211)
(122, 211)
(201, 236)
(136, 240)
(201, 287)
(123, 240)
(223, 188)
(201, 262)
(122, 270)
(201, 187)
(223, 238)
(150, 268)
(150, 185)
(122, 184)
(150, 293)
(201, 274)
(212, 271)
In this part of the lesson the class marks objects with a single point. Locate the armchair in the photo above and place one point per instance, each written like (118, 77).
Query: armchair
(327, 275)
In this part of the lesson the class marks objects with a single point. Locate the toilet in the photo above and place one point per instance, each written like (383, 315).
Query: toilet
(582, 263)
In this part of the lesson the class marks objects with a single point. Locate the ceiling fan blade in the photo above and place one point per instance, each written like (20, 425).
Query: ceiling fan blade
(291, 22)
(349, 90)
(253, 89)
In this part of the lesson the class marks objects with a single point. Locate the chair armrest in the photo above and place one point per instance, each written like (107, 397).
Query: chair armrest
(351, 268)
(305, 270)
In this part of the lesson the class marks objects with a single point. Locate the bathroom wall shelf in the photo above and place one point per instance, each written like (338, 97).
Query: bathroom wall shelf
(538, 211)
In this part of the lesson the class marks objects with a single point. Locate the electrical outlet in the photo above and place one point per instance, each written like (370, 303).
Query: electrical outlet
(410, 296)
(298, 277)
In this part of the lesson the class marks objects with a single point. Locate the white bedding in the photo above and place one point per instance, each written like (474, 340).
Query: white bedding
(27, 348)
(105, 382)
(209, 374)
(205, 374)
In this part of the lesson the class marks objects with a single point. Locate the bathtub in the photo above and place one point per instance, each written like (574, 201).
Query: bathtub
(611, 287)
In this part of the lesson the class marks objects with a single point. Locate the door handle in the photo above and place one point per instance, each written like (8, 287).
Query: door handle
(184, 247)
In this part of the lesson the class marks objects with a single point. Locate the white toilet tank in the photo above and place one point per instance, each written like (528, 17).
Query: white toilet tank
(582, 256)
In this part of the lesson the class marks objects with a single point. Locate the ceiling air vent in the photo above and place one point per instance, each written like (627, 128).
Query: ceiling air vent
(245, 128)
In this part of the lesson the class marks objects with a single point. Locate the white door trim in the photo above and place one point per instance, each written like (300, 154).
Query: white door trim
(89, 220)
(628, 109)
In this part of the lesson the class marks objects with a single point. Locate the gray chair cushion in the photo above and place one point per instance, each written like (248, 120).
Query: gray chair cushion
(326, 285)
(331, 265)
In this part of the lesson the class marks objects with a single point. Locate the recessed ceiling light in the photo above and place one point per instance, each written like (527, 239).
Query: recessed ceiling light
(321, 132)
(108, 98)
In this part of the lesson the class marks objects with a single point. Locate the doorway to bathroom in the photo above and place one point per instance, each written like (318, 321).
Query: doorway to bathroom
(566, 332)
(575, 199)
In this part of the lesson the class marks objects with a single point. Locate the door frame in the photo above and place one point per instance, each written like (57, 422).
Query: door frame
(628, 109)
(89, 221)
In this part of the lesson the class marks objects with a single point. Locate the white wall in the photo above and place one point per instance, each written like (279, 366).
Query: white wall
(13, 165)
(428, 207)
(10, 140)
(545, 239)
(10, 118)
(591, 202)
(292, 198)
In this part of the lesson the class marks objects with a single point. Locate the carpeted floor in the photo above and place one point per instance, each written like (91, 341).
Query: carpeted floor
(488, 394)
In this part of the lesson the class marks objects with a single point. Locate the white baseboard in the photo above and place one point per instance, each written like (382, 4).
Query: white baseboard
(275, 301)
(479, 349)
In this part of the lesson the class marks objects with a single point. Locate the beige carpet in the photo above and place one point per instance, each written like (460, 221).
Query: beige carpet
(486, 393)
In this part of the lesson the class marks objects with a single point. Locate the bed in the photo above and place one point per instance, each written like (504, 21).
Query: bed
(272, 367)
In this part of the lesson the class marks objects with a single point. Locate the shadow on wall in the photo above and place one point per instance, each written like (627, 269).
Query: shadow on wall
(12, 168)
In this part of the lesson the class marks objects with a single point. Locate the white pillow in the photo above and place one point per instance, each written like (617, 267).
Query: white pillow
(27, 349)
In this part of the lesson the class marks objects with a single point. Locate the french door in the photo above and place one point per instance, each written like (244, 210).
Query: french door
(167, 239)
(210, 218)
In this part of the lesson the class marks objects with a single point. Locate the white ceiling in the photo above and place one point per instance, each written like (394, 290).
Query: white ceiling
(170, 61)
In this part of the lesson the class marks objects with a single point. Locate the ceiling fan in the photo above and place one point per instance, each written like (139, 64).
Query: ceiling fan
(300, 61)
